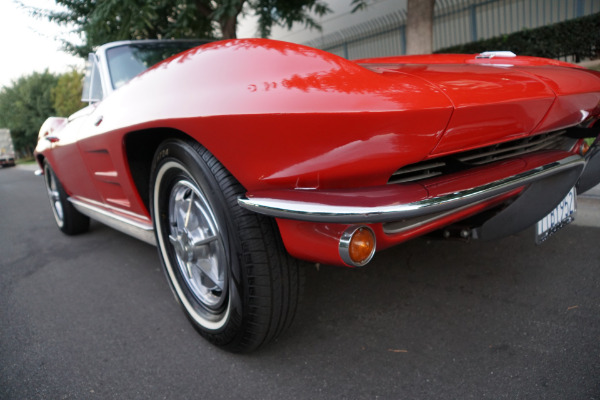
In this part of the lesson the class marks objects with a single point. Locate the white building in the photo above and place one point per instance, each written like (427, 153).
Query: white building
(379, 30)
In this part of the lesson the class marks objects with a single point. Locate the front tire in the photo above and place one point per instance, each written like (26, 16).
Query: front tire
(226, 266)
(68, 219)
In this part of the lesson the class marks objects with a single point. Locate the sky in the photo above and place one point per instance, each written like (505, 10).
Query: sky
(29, 44)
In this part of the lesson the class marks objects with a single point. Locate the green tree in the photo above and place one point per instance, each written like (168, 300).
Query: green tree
(102, 21)
(66, 95)
(99, 22)
(25, 105)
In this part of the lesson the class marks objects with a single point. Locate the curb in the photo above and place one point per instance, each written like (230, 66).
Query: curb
(28, 167)
(593, 193)
(588, 212)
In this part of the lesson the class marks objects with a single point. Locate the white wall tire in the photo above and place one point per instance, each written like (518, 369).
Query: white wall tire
(68, 219)
(238, 288)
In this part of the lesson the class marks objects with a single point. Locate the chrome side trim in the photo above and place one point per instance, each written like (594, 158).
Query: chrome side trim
(103, 206)
(319, 212)
(141, 231)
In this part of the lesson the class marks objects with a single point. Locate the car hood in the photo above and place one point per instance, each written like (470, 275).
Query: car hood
(498, 102)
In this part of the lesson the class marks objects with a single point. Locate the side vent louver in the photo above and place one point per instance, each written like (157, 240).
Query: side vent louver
(485, 155)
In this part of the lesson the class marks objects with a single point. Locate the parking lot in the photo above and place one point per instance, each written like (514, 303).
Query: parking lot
(93, 317)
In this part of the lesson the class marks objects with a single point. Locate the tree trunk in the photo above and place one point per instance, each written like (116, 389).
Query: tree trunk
(229, 27)
(419, 27)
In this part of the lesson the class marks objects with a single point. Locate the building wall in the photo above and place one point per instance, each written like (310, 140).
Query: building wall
(380, 30)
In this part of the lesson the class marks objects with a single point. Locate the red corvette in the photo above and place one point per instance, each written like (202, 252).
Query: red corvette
(237, 158)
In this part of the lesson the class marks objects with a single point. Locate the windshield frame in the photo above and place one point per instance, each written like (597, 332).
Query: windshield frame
(102, 59)
(130, 56)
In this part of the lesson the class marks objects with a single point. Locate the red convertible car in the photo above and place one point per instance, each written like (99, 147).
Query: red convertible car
(237, 158)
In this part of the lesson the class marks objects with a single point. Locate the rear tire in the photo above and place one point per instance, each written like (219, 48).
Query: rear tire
(226, 266)
(67, 218)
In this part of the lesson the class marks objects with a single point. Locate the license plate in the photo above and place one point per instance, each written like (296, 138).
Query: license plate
(562, 215)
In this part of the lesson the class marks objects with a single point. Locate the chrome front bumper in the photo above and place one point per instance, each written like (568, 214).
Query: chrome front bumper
(396, 202)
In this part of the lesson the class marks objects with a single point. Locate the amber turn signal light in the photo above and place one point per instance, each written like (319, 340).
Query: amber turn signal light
(585, 146)
(357, 245)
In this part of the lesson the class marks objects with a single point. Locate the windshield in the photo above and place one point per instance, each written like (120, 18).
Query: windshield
(127, 61)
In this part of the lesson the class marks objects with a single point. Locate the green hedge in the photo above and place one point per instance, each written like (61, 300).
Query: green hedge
(578, 37)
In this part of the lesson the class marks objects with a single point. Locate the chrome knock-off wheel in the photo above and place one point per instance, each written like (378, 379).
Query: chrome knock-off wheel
(54, 196)
(225, 265)
(199, 249)
(67, 218)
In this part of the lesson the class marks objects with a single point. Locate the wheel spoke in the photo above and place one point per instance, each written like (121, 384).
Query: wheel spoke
(207, 264)
(175, 241)
(188, 268)
(189, 210)
(203, 242)
(210, 272)
(180, 250)
(179, 217)
(194, 235)
(54, 195)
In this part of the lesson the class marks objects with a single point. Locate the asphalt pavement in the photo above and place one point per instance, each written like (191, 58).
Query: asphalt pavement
(92, 317)
(588, 208)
